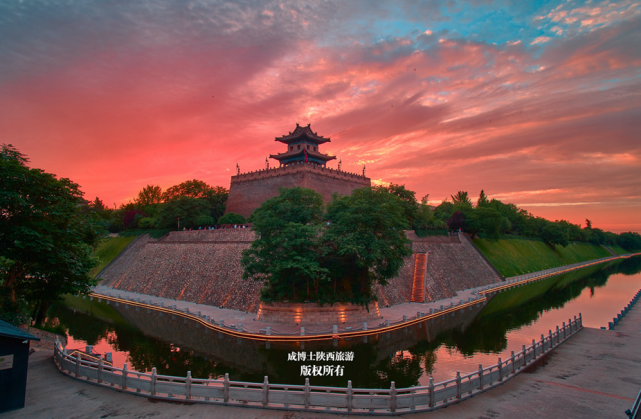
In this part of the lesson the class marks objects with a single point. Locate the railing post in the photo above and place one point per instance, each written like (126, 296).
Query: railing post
(558, 334)
(153, 381)
(265, 390)
(458, 384)
(524, 356)
(124, 377)
(350, 396)
(392, 391)
(100, 365)
(431, 390)
(306, 393)
(77, 364)
(580, 320)
(500, 370)
(188, 385)
(480, 377)
(533, 349)
(564, 334)
(226, 388)
(513, 366)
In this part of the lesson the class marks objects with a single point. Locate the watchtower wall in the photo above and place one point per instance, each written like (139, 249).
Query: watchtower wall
(249, 190)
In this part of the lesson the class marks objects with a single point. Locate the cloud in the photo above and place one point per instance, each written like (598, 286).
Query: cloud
(115, 98)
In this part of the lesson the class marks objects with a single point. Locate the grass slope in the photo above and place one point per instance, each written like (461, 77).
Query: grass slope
(108, 250)
(515, 257)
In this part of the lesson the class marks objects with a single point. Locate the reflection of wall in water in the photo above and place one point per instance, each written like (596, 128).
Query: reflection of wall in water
(251, 356)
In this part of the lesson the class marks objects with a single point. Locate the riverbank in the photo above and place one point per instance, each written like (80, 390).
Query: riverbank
(594, 374)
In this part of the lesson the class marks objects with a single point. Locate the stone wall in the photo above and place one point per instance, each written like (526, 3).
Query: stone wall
(249, 190)
(203, 266)
(314, 314)
(186, 266)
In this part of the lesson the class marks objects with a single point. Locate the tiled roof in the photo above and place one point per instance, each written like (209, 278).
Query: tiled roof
(303, 131)
(10, 331)
(295, 153)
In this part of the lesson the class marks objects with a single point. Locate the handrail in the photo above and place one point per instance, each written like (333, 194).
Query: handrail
(305, 397)
(635, 412)
(615, 321)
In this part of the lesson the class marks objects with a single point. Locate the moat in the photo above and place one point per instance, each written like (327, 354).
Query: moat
(146, 339)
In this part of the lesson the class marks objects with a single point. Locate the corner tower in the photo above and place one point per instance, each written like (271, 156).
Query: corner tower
(302, 164)
(302, 147)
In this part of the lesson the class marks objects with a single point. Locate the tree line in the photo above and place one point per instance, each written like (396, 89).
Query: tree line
(190, 204)
(493, 218)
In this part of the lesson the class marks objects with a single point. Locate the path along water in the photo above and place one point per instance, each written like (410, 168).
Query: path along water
(408, 357)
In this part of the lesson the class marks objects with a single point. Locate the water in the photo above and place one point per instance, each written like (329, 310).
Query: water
(408, 356)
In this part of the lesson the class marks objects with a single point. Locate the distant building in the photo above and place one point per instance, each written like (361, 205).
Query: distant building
(301, 165)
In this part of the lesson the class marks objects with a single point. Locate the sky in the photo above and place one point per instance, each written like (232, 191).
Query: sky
(536, 103)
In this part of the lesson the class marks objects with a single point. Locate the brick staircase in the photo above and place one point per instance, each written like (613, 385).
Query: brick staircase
(419, 278)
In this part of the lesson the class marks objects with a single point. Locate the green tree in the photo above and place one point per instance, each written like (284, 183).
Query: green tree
(216, 196)
(149, 195)
(490, 221)
(444, 211)
(407, 199)
(461, 198)
(231, 218)
(365, 241)
(286, 256)
(186, 208)
(482, 201)
(553, 234)
(629, 241)
(46, 238)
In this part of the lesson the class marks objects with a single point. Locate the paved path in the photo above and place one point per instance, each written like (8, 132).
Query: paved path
(595, 374)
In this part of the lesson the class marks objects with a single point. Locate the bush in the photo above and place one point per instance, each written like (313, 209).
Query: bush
(231, 218)
(147, 223)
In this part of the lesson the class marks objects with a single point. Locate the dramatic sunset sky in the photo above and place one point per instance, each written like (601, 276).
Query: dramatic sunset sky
(537, 103)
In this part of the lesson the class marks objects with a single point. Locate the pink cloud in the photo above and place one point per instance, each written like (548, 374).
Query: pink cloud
(553, 126)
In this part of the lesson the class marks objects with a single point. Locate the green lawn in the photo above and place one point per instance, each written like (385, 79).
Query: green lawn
(108, 250)
(515, 257)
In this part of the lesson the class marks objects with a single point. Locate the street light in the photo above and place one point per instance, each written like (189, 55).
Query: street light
(179, 222)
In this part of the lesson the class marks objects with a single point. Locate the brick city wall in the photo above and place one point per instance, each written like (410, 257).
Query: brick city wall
(185, 266)
(203, 266)
(313, 314)
(249, 190)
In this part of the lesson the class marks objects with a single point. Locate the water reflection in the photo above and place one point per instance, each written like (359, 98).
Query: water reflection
(408, 356)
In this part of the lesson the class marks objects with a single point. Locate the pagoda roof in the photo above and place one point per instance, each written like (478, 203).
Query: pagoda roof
(297, 153)
(302, 132)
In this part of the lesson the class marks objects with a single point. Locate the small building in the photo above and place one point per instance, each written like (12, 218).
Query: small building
(14, 360)
(302, 164)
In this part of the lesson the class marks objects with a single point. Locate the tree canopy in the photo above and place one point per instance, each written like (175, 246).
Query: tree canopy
(305, 254)
(46, 238)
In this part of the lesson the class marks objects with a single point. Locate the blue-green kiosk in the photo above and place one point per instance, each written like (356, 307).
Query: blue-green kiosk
(14, 360)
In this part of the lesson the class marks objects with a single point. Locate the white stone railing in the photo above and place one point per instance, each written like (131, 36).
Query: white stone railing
(306, 397)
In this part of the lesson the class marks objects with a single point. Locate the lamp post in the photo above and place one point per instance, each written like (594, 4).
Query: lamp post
(179, 222)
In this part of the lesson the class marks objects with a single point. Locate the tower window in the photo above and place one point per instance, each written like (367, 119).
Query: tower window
(298, 148)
